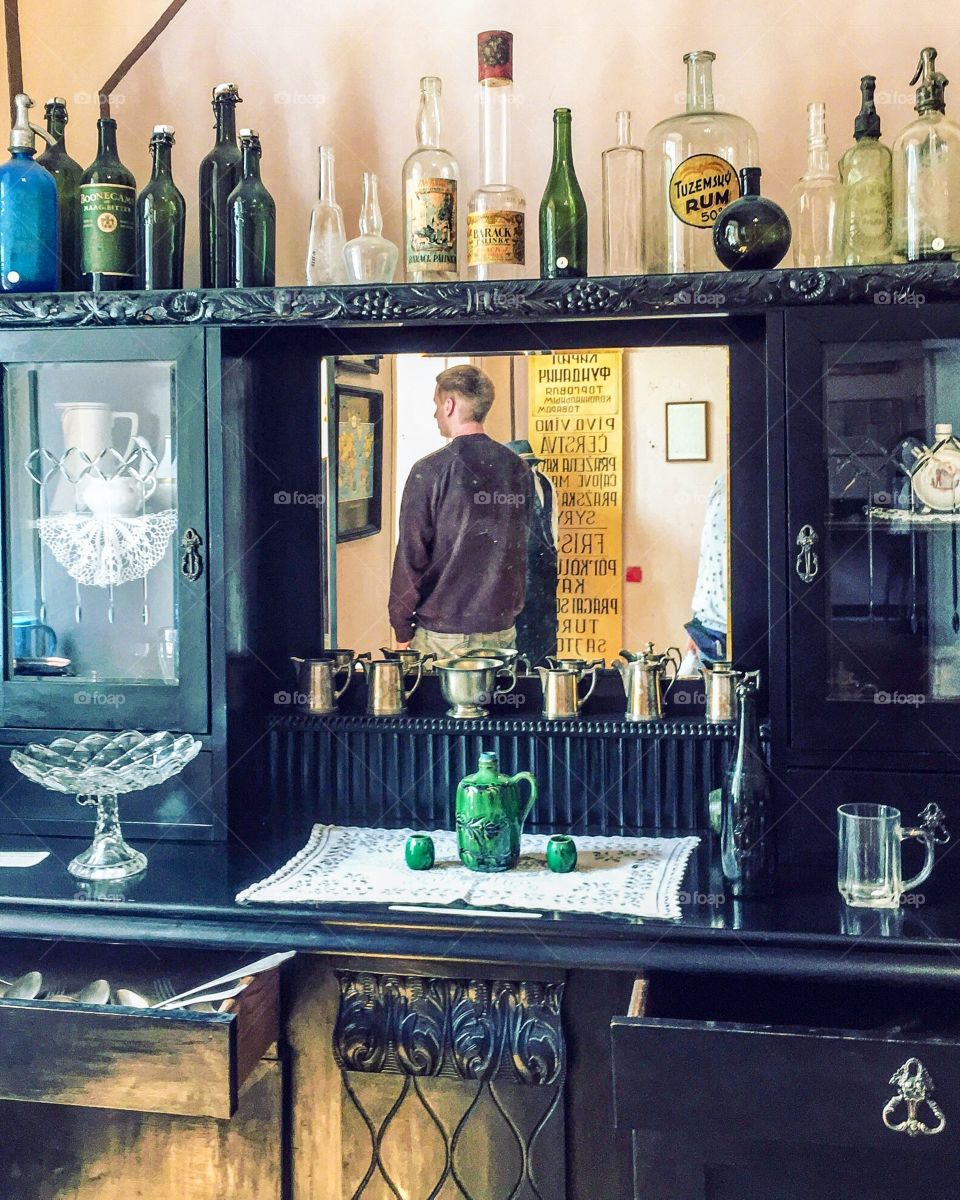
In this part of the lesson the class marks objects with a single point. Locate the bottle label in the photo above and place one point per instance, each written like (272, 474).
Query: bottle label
(108, 224)
(869, 215)
(495, 237)
(700, 189)
(431, 224)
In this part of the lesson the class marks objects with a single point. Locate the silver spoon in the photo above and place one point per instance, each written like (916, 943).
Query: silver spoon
(27, 987)
(97, 992)
(129, 999)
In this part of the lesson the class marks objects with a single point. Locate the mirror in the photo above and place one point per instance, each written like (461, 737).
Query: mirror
(585, 506)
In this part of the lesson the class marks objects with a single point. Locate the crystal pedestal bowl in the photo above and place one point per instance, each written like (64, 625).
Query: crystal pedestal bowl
(97, 769)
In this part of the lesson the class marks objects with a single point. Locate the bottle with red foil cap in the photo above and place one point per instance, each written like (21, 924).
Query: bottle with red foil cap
(496, 240)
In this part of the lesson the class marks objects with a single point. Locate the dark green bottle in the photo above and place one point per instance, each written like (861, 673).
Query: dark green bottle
(108, 218)
(161, 217)
(219, 175)
(67, 173)
(563, 210)
(253, 221)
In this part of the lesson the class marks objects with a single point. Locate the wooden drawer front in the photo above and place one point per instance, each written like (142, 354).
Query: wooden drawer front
(706, 1080)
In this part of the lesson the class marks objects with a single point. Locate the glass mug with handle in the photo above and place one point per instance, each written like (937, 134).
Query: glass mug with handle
(869, 871)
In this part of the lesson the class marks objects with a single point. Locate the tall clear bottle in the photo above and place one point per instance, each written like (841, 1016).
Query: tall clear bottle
(67, 172)
(816, 198)
(108, 217)
(926, 174)
(252, 214)
(693, 161)
(865, 224)
(430, 179)
(220, 173)
(496, 235)
(622, 171)
(327, 235)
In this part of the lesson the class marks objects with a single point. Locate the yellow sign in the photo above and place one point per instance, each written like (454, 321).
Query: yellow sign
(576, 427)
(700, 189)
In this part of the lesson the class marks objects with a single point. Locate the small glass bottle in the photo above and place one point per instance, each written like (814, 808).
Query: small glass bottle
(746, 839)
(816, 197)
(253, 221)
(622, 170)
(370, 258)
(693, 161)
(563, 210)
(752, 233)
(496, 231)
(926, 174)
(220, 173)
(29, 230)
(865, 222)
(67, 172)
(327, 236)
(430, 177)
(108, 217)
(161, 219)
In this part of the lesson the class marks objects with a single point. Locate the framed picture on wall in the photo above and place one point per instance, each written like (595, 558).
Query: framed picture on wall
(358, 364)
(359, 465)
(687, 431)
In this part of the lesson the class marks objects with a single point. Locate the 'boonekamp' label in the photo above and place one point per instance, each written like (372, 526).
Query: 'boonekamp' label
(700, 189)
(108, 228)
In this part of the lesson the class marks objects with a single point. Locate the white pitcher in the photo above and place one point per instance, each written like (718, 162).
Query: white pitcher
(88, 427)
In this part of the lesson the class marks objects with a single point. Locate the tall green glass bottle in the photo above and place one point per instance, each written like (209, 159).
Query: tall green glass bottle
(67, 172)
(563, 210)
(161, 217)
(108, 217)
(253, 221)
(219, 175)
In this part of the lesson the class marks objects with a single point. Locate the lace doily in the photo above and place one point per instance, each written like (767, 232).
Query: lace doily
(630, 876)
(105, 551)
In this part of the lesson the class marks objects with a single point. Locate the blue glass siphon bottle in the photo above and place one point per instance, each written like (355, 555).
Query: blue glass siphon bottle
(29, 229)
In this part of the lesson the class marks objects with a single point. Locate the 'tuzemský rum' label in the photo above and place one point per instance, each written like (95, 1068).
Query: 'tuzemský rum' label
(495, 237)
(108, 228)
(700, 189)
(432, 223)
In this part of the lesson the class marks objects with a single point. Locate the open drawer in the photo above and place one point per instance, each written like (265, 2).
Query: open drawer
(115, 1056)
(715, 1058)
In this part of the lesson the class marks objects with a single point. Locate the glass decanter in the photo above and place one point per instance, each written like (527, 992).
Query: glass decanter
(622, 169)
(327, 237)
(816, 197)
(370, 258)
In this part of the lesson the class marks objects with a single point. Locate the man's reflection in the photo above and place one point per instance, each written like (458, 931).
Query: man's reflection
(459, 572)
(537, 622)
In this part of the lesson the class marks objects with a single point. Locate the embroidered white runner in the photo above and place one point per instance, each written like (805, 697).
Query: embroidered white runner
(630, 876)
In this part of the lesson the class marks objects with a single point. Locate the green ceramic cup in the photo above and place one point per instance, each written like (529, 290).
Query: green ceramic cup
(561, 853)
(419, 852)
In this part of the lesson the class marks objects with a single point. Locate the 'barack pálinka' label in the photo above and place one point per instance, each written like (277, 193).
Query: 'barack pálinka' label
(432, 224)
(108, 228)
(700, 189)
(495, 237)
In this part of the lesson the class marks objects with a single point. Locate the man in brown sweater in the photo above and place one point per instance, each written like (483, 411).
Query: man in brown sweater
(459, 572)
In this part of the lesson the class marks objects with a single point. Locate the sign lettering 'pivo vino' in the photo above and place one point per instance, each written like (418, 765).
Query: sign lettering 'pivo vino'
(700, 189)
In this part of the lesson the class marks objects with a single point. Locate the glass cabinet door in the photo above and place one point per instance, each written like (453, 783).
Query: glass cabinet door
(874, 499)
(105, 530)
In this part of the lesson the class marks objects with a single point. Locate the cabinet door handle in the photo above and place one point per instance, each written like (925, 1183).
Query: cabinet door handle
(808, 561)
(915, 1085)
(191, 565)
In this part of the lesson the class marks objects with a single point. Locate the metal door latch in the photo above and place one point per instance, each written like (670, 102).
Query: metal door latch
(915, 1085)
(191, 565)
(808, 562)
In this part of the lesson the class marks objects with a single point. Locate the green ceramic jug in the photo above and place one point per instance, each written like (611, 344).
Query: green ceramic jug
(490, 816)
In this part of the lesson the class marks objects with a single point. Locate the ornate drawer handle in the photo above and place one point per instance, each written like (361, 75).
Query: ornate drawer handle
(808, 561)
(191, 565)
(915, 1085)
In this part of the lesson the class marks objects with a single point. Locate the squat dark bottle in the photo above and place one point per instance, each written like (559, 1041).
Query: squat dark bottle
(253, 221)
(563, 210)
(68, 173)
(108, 218)
(161, 216)
(219, 175)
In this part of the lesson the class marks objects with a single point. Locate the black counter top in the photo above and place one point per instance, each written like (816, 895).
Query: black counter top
(186, 898)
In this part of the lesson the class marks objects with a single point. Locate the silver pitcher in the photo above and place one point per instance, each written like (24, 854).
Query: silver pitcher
(317, 682)
(720, 680)
(642, 675)
(506, 654)
(561, 690)
(408, 657)
(470, 684)
(386, 694)
(574, 664)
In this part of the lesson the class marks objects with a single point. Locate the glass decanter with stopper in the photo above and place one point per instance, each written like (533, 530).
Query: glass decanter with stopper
(865, 221)
(327, 235)
(67, 172)
(370, 258)
(430, 178)
(622, 172)
(816, 197)
(693, 162)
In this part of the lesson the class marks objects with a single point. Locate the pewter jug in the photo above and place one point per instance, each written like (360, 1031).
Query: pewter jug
(469, 684)
(561, 690)
(642, 675)
(317, 690)
(386, 694)
(574, 664)
(408, 657)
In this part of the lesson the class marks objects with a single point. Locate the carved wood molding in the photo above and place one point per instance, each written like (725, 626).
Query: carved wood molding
(470, 1029)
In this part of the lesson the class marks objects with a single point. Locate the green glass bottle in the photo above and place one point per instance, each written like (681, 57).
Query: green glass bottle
(219, 175)
(68, 173)
(563, 210)
(253, 221)
(108, 217)
(161, 218)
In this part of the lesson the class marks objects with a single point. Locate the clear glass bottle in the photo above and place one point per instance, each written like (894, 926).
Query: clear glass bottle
(926, 174)
(108, 217)
(746, 838)
(430, 178)
(865, 221)
(622, 172)
(161, 218)
(327, 236)
(693, 162)
(816, 197)
(370, 258)
(67, 172)
(563, 210)
(252, 216)
(220, 173)
(496, 234)
(29, 229)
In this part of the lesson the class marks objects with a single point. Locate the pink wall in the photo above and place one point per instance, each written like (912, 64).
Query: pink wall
(314, 71)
